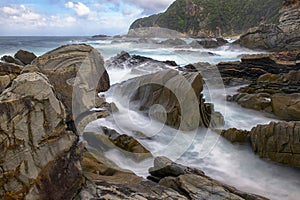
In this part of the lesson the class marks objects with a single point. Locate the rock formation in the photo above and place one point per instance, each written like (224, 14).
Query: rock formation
(284, 36)
(35, 145)
(252, 67)
(279, 142)
(193, 183)
(40, 151)
(21, 58)
(77, 74)
(178, 94)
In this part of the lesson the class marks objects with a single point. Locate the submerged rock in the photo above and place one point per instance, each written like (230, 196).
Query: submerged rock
(193, 183)
(278, 141)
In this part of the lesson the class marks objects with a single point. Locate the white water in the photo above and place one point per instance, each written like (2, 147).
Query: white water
(233, 164)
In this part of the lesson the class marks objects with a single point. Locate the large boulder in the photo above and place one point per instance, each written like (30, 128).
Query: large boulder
(279, 142)
(193, 183)
(25, 57)
(172, 98)
(35, 145)
(77, 74)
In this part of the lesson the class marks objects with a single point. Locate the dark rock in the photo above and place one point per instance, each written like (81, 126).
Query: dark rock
(252, 67)
(124, 60)
(278, 142)
(25, 56)
(210, 43)
(10, 59)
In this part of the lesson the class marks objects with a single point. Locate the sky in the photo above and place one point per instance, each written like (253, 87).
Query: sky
(68, 18)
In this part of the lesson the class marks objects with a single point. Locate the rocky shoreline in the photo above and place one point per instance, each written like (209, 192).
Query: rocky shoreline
(50, 162)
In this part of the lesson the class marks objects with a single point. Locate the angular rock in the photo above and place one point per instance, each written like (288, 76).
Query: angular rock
(279, 142)
(137, 63)
(10, 59)
(77, 74)
(35, 147)
(170, 97)
(25, 56)
(193, 183)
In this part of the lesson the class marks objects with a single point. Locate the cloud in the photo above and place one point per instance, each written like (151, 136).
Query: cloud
(80, 8)
(151, 6)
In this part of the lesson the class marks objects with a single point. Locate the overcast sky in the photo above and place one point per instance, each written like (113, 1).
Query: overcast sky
(64, 17)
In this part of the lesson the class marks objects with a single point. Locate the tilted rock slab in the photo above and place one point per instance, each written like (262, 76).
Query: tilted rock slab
(77, 74)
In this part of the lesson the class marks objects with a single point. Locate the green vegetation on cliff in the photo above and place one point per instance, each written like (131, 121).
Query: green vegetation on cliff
(214, 17)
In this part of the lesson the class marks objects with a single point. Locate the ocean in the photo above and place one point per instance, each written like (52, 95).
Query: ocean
(234, 164)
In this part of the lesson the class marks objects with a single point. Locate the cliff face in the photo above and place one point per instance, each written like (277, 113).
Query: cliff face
(203, 18)
(284, 36)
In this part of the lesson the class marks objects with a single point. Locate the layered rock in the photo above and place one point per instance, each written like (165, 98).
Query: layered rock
(193, 183)
(278, 142)
(276, 93)
(252, 67)
(35, 145)
(77, 73)
(108, 139)
(172, 98)
(284, 36)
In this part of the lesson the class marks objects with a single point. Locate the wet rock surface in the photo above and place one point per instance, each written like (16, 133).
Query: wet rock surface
(171, 98)
(193, 183)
